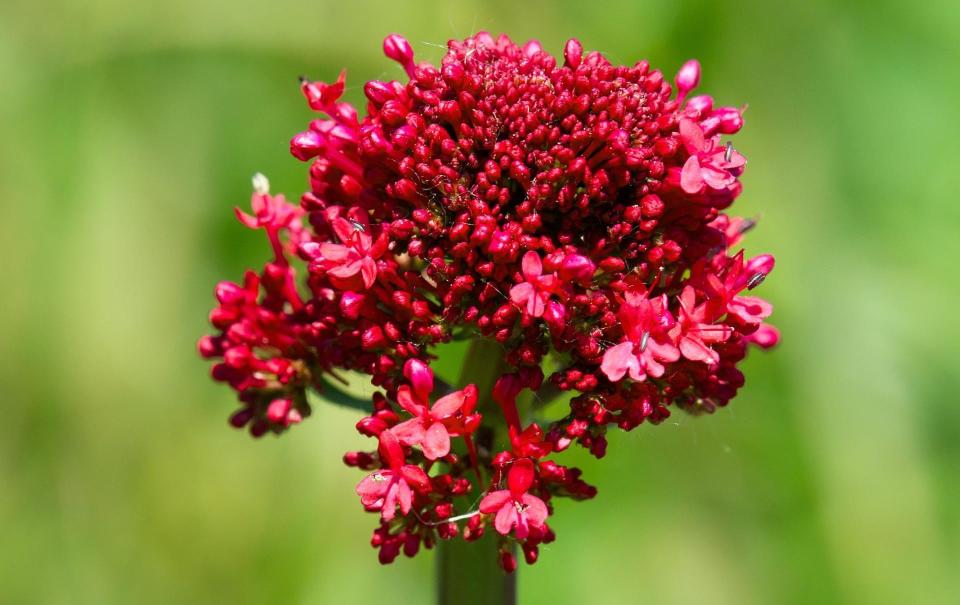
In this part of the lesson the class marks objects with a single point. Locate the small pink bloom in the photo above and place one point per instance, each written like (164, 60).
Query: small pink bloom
(646, 326)
(709, 165)
(394, 486)
(431, 427)
(532, 294)
(351, 264)
(516, 510)
(696, 334)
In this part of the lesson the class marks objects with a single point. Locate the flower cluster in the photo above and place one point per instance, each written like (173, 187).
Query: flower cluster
(569, 214)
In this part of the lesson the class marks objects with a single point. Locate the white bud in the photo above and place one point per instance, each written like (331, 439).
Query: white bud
(260, 184)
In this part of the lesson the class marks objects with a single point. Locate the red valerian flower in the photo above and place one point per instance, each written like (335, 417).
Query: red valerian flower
(532, 294)
(351, 264)
(516, 509)
(646, 325)
(565, 215)
(385, 490)
(708, 164)
(695, 333)
(431, 427)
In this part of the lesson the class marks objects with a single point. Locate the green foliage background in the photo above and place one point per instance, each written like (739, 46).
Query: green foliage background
(129, 130)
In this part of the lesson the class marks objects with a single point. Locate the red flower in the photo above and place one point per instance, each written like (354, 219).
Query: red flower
(646, 324)
(351, 264)
(431, 427)
(394, 486)
(695, 333)
(708, 165)
(532, 294)
(516, 510)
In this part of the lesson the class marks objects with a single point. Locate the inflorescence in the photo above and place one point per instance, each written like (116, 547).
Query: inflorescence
(573, 214)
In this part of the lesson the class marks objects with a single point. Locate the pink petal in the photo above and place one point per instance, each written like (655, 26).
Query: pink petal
(344, 229)
(370, 486)
(535, 305)
(506, 518)
(368, 268)
(334, 252)
(716, 179)
(389, 509)
(436, 441)
(344, 271)
(246, 219)
(520, 293)
(447, 405)
(408, 401)
(405, 496)
(531, 265)
(495, 501)
(692, 136)
(536, 511)
(410, 432)
(617, 360)
(694, 350)
(691, 180)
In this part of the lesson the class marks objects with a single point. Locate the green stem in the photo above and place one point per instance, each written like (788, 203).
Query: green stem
(468, 572)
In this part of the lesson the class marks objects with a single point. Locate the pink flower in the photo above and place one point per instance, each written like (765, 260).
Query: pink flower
(386, 489)
(516, 509)
(709, 165)
(351, 264)
(750, 310)
(696, 333)
(646, 326)
(431, 427)
(270, 212)
(532, 295)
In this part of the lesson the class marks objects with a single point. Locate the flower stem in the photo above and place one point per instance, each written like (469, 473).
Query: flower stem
(468, 572)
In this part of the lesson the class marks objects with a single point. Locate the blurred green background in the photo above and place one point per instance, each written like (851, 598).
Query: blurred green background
(130, 130)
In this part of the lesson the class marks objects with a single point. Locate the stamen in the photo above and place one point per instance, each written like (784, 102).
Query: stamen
(729, 152)
(756, 280)
(643, 341)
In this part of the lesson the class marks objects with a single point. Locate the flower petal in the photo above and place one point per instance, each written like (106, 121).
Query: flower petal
(495, 501)
(436, 441)
(447, 405)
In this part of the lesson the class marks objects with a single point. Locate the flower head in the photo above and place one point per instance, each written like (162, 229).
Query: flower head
(565, 214)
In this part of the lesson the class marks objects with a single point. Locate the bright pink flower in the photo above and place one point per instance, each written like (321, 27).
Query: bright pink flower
(394, 486)
(351, 264)
(750, 310)
(695, 333)
(532, 294)
(516, 510)
(646, 326)
(709, 164)
(431, 427)
(269, 211)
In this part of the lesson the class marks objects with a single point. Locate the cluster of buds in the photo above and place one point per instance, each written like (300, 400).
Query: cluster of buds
(569, 214)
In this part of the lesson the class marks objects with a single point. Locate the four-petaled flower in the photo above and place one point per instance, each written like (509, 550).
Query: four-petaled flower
(646, 324)
(272, 212)
(695, 333)
(394, 486)
(431, 427)
(351, 264)
(709, 164)
(532, 294)
(739, 276)
(516, 509)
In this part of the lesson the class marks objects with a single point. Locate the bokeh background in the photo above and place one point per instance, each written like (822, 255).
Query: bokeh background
(130, 130)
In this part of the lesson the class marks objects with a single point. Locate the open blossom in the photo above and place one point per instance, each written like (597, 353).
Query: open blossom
(515, 509)
(709, 165)
(351, 264)
(386, 489)
(646, 325)
(431, 427)
(533, 293)
(565, 215)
